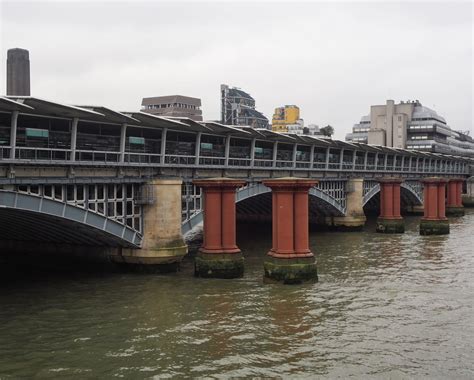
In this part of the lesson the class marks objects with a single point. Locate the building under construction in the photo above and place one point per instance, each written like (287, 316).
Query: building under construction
(238, 108)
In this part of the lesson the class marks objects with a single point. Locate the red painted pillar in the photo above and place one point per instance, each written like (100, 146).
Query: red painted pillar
(290, 217)
(219, 214)
(454, 204)
(459, 193)
(301, 212)
(452, 190)
(212, 239)
(219, 255)
(434, 221)
(290, 260)
(390, 219)
(382, 201)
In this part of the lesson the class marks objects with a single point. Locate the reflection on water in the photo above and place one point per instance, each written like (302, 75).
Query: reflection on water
(386, 306)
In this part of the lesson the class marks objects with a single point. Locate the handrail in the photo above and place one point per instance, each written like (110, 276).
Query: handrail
(40, 154)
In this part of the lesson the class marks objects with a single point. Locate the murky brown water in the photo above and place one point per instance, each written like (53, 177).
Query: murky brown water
(399, 306)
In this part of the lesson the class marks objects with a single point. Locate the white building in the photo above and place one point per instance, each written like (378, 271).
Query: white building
(410, 125)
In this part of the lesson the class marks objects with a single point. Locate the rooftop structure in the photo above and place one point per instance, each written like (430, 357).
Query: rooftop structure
(238, 108)
(173, 106)
(412, 126)
(18, 72)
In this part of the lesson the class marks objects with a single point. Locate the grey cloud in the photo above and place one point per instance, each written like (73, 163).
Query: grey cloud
(332, 59)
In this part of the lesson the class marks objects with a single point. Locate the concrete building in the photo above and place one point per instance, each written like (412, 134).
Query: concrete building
(174, 106)
(410, 125)
(238, 108)
(18, 72)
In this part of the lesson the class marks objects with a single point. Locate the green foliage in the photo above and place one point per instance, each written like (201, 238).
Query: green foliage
(327, 130)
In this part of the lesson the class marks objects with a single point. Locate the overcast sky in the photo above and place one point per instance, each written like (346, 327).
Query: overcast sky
(331, 59)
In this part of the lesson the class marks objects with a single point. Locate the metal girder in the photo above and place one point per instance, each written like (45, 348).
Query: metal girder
(417, 193)
(254, 189)
(117, 231)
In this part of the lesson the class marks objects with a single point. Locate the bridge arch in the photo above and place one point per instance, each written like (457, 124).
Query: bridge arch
(411, 190)
(254, 190)
(25, 215)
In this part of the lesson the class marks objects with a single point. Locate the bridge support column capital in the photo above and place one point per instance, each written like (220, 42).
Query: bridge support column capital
(290, 260)
(434, 221)
(219, 256)
(390, 219)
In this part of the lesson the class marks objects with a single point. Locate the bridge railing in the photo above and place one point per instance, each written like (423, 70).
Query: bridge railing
(42, 154)
(4, 152)
(97, 156)
(419, 166)
(218, 161)
(142, 158)
(180, 160)
(284, 164)
(303, 164)
(240, 162)
(263, 163)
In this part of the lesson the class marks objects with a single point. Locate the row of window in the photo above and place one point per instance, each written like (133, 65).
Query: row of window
(420, 127)
(419, 137)
(420, 147)
(169, 105)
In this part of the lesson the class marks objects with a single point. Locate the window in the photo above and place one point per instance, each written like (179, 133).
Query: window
(31, 132)
(136, 140)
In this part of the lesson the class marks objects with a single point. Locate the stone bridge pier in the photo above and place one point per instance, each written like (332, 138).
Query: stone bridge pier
(468, 198)
(163, 246)
(355, 217)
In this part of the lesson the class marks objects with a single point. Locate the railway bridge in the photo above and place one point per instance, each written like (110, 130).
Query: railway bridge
(127, 184)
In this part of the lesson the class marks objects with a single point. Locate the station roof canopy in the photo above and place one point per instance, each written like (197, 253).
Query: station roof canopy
(110, 115)
(10, 105)
(274, 136)
(309, 140)
(227, 129)
(49, 108)
(191, 124)
(175, 124)
(367, 147)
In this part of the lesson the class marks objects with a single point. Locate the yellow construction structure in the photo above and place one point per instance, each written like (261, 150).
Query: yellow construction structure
(285, 116)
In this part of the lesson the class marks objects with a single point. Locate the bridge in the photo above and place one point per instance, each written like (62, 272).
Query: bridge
(123, 182)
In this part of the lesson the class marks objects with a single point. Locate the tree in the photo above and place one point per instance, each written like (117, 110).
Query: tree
(327, 130)
(305, 131)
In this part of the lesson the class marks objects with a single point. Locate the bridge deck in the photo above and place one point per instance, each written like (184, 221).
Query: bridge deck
(39, 132)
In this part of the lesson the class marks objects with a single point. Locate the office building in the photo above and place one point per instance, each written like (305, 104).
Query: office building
(287, 119)
(173, 106)
(238, 108)
(410, 125)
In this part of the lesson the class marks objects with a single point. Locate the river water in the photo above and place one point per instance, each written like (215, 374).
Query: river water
(386, 306)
